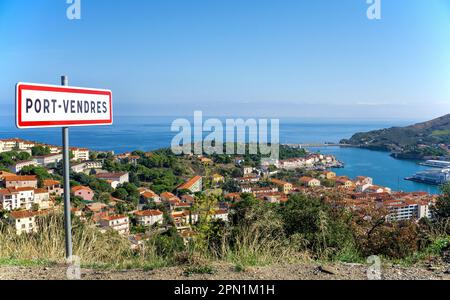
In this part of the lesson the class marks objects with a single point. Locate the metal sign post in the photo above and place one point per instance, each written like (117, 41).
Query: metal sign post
(63, 106)
(66, 172)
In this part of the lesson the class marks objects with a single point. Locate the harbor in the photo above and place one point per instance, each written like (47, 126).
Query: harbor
(437, 176)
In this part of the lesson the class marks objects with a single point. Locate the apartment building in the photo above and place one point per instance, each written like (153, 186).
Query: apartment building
(119, 223)
(80, 154)
(47, 160)
(89, 165)
(17, 167)
(400, 210)
(17, 198)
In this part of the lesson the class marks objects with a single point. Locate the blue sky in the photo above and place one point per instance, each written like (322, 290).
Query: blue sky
(274, 58)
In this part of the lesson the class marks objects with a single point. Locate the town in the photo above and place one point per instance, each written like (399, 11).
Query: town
(122, 193)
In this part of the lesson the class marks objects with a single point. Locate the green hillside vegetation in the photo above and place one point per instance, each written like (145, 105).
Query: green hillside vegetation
(415, 141)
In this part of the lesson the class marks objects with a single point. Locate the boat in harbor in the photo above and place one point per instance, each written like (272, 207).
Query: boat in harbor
(434, 177)
(436, 164)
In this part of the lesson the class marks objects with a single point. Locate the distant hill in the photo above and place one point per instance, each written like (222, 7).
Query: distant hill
(420, 141)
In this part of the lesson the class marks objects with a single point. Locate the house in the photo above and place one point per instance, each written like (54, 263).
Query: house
(233, 196)
(23, 221)
(149, 217)
(166, 197)
(246, 189)
(361, 188)
(128, 157)
(17, 167)
(53, 187)
(329, 175)
(345, 182)
(258, 192)
(42, 198)
(17, 198)
(47, 160)
(377, 189)
(188, 199)
(21, 181)
(248, 179)
(194, 185)
(217, 178)
(98, 210)
(114, 179)
(180, 219)
(220, 214)
(284, 186)
(248, 170)
(206, 161)
(150, 196)
(3, 175)
(80, 154)
(147, 197)
(119, 223)
(84, 192)
(361, 180)
(309, 181)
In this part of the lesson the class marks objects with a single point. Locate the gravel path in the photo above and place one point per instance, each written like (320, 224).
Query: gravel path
(221, 272)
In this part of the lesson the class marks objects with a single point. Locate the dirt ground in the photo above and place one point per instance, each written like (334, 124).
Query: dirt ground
(228, 272)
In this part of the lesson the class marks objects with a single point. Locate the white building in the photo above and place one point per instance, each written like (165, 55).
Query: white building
(51, 159)
(23, 221)
(118, 223)
(20, 198)
(86, 166)
(220, 214)
(81, 154)
(406, 210)
(114, 179)
(16, 168)
(42, 198)
(149, 217)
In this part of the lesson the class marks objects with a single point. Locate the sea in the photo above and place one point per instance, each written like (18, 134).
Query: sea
(149, 133)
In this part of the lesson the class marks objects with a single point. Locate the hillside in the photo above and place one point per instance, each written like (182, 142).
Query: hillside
(419, 141)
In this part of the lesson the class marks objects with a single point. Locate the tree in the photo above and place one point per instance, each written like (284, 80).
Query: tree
(40, 172)
(40, 151)
(120, 193)
(324, 229)
(442, 207)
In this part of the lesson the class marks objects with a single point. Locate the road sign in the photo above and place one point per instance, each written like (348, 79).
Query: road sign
(40, 106)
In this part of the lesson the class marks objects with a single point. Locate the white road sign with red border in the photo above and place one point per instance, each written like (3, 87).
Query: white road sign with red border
(39, 106)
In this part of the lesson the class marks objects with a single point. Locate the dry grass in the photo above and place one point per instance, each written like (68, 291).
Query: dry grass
(94, 248)
(253, 246)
